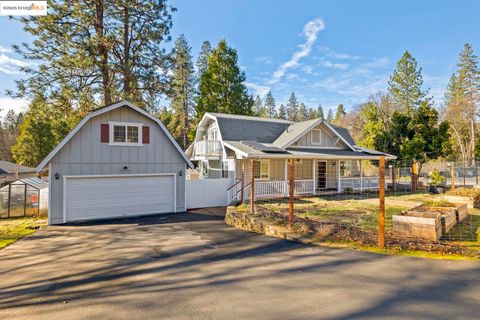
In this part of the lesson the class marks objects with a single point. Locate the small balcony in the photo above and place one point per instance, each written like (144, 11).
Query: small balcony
(208, 148)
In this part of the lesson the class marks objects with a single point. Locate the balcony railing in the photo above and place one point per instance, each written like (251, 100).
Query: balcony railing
(208, 148)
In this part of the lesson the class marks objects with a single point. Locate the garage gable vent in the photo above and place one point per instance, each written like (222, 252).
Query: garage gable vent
(104, 134)
(145, 135)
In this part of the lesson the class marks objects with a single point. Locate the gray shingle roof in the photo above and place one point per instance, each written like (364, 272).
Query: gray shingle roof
(304, 152)
(246, 128)
(7, 167)
(344, 133)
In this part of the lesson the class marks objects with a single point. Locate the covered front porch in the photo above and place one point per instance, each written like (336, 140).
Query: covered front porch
(311, 177)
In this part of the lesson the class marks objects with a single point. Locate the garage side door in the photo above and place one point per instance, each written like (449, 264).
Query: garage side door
(88, 198)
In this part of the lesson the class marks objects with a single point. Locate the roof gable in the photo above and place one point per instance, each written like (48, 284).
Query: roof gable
(108, 109)
(299, 129)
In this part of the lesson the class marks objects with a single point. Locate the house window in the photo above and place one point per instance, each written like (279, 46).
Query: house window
(262, 169)
(316, 136)
(124, 133)
(350, 168)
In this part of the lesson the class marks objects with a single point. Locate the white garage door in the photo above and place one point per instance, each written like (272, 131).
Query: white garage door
(98, 197)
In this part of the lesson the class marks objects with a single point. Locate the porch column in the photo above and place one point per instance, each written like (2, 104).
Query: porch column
(314, 191)
(252, 186)
(361, 176)
(242, 194)
(285, 184)
(338, 176)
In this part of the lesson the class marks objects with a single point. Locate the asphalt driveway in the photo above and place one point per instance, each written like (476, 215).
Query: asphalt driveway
(193, 266)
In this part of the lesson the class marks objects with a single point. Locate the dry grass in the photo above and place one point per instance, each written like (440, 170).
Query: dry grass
(13, 229)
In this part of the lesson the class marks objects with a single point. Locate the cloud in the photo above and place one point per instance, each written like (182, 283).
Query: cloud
(258, 89)
(8, 65)
(310, 33)
(359, 82)
(333, 65)
(17, 105)
(336, 55)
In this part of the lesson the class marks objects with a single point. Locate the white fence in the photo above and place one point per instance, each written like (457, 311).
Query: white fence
(206, 193)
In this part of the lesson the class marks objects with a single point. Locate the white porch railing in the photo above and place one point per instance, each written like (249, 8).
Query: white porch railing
(267, 189)
(359, 183)
(208, 148)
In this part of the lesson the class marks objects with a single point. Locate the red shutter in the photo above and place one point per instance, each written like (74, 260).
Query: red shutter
(104, 134)
(145, 135)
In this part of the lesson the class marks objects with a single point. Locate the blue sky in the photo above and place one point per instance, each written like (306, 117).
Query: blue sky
(327, 52)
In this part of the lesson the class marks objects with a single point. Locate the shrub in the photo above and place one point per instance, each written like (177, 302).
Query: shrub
(436, 178)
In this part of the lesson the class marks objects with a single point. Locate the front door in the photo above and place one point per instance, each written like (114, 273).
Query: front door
(321, 175)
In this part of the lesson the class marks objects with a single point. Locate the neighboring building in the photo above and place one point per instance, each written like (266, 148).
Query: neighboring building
(10, 172)
(326, 157)
(118, 161)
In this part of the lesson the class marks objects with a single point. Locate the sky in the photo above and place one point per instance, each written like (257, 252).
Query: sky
(327, 52)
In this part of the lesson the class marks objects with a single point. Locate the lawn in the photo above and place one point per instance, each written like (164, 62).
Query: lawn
(14, 229)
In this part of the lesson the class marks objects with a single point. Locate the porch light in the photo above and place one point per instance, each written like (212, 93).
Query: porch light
(180, 173)
(57, 176)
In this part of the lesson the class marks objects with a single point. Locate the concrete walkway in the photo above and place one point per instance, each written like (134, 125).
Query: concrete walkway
(193, 266)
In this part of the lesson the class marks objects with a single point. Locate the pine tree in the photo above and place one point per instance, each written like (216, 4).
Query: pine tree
(405, 85)
(222, 87)
(282, 112)
(330, 116)
(461, 100)
(37, 137)
(202, 60)
(269, 105)
(115, 48)
(320, 113)
(258, 106)
(339, 114)
(292, 108)
(183, 89)
(302, 112)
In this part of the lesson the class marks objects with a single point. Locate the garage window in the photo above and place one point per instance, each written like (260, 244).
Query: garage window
(124, 133)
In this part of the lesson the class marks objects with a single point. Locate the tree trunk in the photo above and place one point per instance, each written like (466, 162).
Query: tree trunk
(103, 50)
(127, 79)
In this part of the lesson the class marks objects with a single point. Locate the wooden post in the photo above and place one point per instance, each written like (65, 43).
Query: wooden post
(252, 186)
(452, 173)
(381, 214)
(291, 192)
(242, 194)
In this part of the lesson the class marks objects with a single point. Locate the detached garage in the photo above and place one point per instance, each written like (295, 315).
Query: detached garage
(120, 161)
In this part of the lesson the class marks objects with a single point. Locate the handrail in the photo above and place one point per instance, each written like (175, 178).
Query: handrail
(233, 185)
(244, 187)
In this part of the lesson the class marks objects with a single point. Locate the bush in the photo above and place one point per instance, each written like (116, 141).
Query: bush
(436, 178)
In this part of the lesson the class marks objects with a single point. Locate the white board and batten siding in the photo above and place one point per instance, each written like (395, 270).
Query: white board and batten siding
(205, 193)
(85, 155)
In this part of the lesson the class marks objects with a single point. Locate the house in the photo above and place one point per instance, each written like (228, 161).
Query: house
(118, 161)
(327, 159)
(10, 172)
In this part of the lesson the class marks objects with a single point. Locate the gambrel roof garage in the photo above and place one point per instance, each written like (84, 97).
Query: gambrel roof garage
(118, 161)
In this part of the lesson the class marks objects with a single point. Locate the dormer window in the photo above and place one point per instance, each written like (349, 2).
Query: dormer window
(125, 134)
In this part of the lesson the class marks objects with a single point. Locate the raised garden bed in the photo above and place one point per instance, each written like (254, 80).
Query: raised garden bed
(418, 225)
(430, 220)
